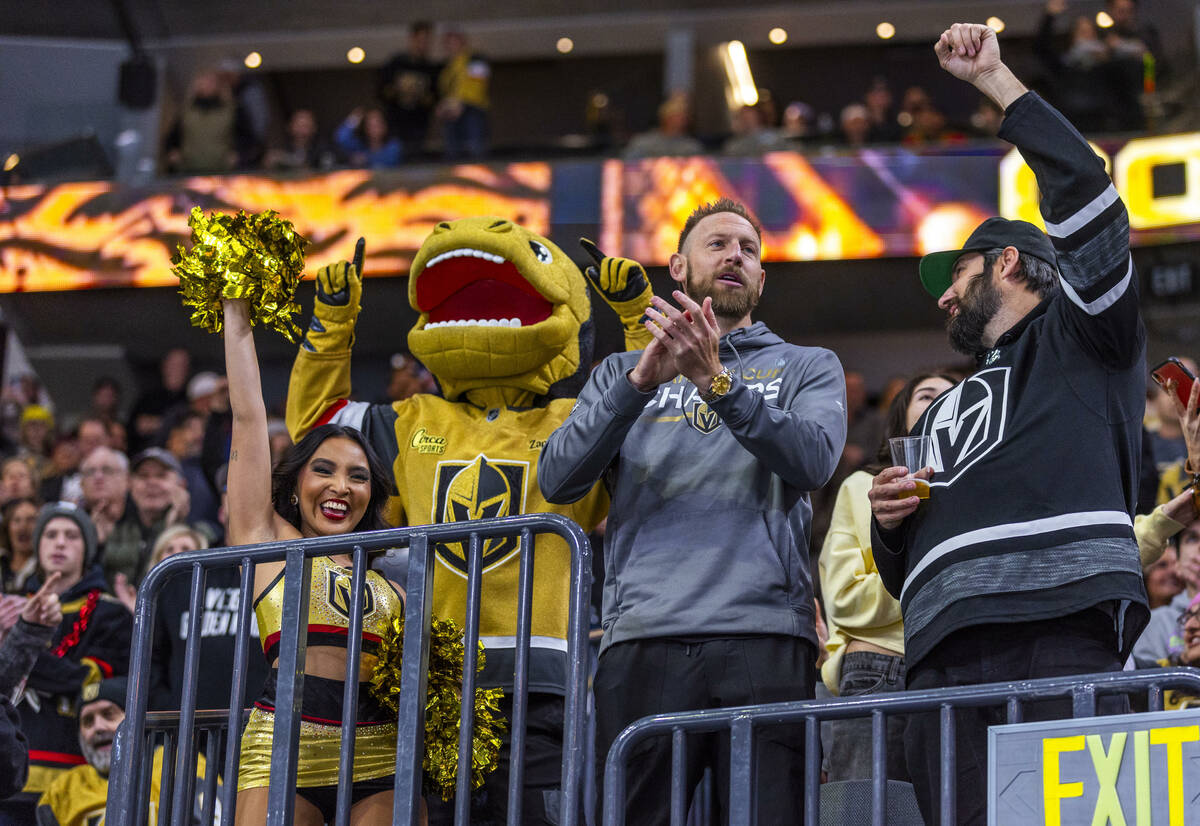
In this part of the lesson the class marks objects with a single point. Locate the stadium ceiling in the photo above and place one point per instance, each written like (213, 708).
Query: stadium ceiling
(309, 33)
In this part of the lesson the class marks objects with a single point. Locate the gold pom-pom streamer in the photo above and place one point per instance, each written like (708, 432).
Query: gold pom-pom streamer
(256, 257)
(443, 706)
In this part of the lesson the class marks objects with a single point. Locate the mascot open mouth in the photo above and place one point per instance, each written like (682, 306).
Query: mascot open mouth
(471, 287)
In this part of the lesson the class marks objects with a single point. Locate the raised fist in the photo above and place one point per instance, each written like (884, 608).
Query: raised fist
(968, 50)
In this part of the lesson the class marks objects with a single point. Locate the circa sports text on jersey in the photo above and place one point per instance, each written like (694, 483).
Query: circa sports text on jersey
(966, 423)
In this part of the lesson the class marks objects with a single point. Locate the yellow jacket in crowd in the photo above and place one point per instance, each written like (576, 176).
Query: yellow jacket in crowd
(857, 604)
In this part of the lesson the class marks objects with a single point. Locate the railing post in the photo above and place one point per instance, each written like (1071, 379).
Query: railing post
(949, 775)
(879, 775)
(520, 695)
(575, 703)
(233, 751)
(812, 770)
(414, 671)
(289, 694)
(679, 789)
(358, 581)
(185, 757)
(741, 772)
(462, 797)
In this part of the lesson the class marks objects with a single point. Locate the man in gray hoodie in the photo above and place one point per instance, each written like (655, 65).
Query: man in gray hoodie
(709, 441)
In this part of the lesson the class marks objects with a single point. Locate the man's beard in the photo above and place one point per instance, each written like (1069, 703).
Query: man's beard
(99, 758)
(966, 327)
(731, 305)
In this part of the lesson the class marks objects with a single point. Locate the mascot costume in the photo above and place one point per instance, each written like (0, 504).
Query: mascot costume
(505, 327)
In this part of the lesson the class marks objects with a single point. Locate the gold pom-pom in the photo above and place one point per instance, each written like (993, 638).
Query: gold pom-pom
(256, 257)
(443, 705)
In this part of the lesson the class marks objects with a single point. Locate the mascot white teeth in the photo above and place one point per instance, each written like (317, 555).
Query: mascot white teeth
(505, 328)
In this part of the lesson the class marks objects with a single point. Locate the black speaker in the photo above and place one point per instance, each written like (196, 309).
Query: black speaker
(137, 83)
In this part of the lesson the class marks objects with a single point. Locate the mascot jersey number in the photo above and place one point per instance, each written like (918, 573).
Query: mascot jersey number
(505, 324)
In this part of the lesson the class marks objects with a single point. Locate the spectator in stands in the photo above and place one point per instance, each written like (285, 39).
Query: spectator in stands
(90, 434)
(978, 600)
(1162, 581)
(18, 562)
(856, 125)
(364, 140)
(1166, 433)
(753, 132)
(878, 100)
(205, 137)
(206, 391)
(92, 642)
(105, 475)
(1136, 51)
(798, 122)
(1080, 78)
(866, 635)
(692, 495)
(253, 111)
(221, 599)
(330, 483)
(170, 390)
(463, 90)
(927, 124)
(185, 439)
(986, 119)
(302, 149)
(158, 499)
(864, 423)
(63, 465)
(106, 399)
(672, 136)
(408, 377)
(17, 480)
(78, 797)
(37, 436)
(408, 89)
(39, 617)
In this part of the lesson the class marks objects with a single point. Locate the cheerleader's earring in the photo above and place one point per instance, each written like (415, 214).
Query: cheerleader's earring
(295, 500)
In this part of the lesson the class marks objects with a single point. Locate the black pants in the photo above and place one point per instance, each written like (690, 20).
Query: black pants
(543, 771)
(653, 676)
(1081, 643)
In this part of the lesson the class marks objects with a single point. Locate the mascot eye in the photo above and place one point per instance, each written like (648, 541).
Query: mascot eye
(543, 254)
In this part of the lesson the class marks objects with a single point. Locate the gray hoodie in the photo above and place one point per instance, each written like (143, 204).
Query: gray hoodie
(709, 525)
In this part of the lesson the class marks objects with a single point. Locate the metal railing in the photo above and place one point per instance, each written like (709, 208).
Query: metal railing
(742, 722)
(128, 800)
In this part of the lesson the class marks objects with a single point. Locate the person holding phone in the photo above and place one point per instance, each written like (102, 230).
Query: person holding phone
(1022, 563)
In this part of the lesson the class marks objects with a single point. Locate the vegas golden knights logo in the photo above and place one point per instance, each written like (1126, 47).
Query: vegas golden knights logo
(703, 418)
(337, 594)
(481, 489)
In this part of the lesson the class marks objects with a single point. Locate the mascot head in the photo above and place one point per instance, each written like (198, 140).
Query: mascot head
(500, 306)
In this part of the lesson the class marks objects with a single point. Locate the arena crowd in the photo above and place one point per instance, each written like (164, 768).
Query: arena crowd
(1061, 536)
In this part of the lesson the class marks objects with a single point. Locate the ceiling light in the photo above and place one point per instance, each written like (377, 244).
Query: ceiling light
(885, 30)
(356, 54)
(253, 60)
(564, 45)
(995, 24)
(1103, 20)
(738, 75)
(777, 36)
(10, 163)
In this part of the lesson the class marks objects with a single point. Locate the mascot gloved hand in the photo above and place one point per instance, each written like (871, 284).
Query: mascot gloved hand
(337, 304)
(623, 285)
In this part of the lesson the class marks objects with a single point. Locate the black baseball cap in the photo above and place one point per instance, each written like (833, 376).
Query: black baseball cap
(936, 267)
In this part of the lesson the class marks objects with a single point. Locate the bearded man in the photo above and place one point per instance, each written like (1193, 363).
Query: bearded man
(1022, 563)
(709, 440)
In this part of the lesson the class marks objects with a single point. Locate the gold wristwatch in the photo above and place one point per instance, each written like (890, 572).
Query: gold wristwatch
(720, 385)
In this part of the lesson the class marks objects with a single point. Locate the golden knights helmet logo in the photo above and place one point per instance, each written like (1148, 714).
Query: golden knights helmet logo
(480, 489)
(337, 594)
(702, 417)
